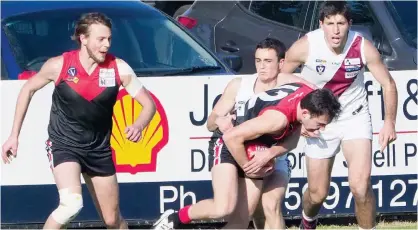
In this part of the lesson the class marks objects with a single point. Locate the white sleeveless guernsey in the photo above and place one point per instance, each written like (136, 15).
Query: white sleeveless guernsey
(343, 74)
(245, 91)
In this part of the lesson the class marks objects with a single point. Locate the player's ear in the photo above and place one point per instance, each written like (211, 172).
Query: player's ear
(83, 39)
(306, 114)
(281, 63)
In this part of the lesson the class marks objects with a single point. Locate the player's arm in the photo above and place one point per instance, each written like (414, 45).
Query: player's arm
(286, 78)
(296, 55)
(136, 90)
(390, 93)
(269, 122)
(49, 72)
(284, 146)
(224, 105)
(287, 144)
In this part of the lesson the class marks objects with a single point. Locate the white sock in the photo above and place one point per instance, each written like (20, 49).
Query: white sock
(310, 219)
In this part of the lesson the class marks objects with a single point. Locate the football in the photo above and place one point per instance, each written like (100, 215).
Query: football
(252, 147)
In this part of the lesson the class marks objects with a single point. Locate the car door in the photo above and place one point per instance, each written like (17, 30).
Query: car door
(250, 22)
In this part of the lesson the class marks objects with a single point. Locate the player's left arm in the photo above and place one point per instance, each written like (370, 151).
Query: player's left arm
(136, 90)
(261, 158)
(271, 121)
(390, 93)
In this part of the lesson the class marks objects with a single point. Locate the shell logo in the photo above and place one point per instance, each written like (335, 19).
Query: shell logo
(131, 157)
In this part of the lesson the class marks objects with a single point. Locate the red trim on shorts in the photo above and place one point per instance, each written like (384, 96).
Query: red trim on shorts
(217, 149)
(49, 154)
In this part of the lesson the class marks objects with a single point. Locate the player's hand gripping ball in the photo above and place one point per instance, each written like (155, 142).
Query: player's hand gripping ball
(252, 147)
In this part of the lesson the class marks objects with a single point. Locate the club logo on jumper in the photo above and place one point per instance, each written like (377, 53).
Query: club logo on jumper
(141, 156)
(72, 72)
(320, 69)
(320, 61)
(352, 61)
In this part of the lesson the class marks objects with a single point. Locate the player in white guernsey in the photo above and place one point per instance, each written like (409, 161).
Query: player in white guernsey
(335, 57)
(228, 180)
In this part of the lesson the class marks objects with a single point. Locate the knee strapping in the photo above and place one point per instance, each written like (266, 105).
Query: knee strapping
(70, 205)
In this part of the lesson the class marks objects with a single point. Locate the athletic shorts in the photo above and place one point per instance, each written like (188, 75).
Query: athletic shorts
(357, 126)
(219, 154)
(93, 163)
(283, 166)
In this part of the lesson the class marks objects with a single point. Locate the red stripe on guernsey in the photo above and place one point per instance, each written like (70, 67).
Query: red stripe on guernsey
(84, 84)
(339, 82)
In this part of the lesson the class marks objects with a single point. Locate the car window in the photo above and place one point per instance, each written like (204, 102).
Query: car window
(292, 13)
(404, 14)
(150, 43)
(4, 74)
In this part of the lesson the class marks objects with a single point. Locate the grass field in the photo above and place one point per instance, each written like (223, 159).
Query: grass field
(381, 225)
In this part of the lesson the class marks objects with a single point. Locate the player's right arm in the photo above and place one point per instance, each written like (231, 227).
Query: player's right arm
(49, 72)
(219, 118)
(271, 122)
(296, 55)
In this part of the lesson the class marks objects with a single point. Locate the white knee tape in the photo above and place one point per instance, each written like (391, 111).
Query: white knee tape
(70, 205)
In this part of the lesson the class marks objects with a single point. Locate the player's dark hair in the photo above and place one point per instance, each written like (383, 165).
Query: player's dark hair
(331, 8)
(321, 102)
(83, 24)
(272, 43)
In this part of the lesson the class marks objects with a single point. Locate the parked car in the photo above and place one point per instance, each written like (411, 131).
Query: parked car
(151, 42)
(171, 8)
(235, 27)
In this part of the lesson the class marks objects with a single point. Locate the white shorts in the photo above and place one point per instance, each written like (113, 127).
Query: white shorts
(283, 166)
(357, 126)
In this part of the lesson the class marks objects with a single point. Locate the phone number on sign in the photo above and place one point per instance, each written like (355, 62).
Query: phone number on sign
(394, 193)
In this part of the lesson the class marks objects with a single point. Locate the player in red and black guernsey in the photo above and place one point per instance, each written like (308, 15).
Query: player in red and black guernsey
(335, 57)
(268, 117)
(87, 82)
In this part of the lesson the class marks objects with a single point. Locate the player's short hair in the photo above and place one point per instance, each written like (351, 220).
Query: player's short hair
(321, 102)
(331, 8)
(272, 43)
(83, 24)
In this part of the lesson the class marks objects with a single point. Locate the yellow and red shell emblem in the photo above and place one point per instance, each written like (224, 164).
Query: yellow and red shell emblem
(141, 156)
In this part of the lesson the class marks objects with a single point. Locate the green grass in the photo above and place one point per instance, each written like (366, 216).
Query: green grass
(380, 225)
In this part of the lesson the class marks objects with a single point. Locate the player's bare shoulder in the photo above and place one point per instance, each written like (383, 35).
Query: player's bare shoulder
(123, 67)
(126, 72)
(299, 51)
(52, 68)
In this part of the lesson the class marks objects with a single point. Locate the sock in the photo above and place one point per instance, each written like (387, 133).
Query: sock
(364, 228)
(184, 215)
(307, 218)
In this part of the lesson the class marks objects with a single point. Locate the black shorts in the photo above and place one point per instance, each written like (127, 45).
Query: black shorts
(93, 163)
(219, 154)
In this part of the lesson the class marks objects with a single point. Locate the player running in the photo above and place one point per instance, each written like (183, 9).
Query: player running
(334, 57)
(87, 82)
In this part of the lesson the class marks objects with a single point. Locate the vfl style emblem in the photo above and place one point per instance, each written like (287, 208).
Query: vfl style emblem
(134, 157)
(73, 75)
(72, 71)
(320, 69)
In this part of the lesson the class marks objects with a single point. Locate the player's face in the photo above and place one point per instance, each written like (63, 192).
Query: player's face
(336, 29)
(314, 124)
(98, 42)
(267, 63)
